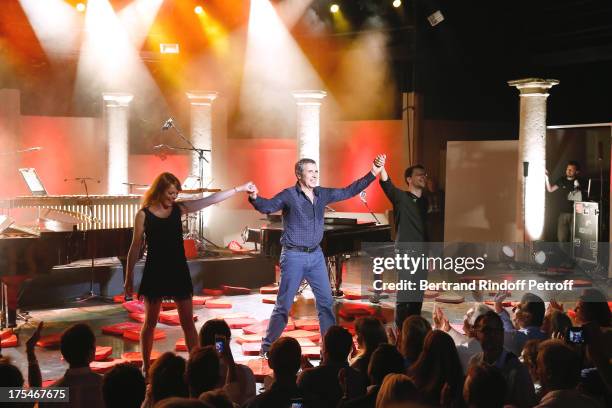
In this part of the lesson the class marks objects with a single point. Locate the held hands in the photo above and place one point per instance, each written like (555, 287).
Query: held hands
(248, 187)
(378, 164)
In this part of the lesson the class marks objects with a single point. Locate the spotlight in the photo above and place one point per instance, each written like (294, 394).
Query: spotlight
(80, 7)
(334, 8)
(198, 10)
(397, 3)
(251, 235)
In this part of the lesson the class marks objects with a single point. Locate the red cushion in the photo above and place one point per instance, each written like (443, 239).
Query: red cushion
(351, 311)
(117, 329)
(268, 290)
(450, 298)
(47, 383)
(212, 292)
(251, 349)
(231, 315)
(313, 352)
(102, 352)
(354, 294)
(505, 303)
(260, 368)
(235, 290)
(307, 324)
(11, 341)
(310, 335)
(261, 327)
(180, 345)
(200, 300)
(135, 357)
(134, 306)
(581, 283)
(134, 335)
(248, 338)
(270, 300)
(6, 333)
(102, 367)
(240, 322)
(139, 317)
(431, 294)
(168, 305)
(51, 340)
(304, 342)
(218, 304)
(171, 317)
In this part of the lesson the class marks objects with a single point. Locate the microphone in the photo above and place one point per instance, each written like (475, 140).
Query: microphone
(82, 179)
(159, 146)
(599, 151)
(167, 124)
(34, 149)
(525, 169)
(362, 197)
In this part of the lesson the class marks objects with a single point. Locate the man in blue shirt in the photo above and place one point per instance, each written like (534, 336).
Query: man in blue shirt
(303, 207)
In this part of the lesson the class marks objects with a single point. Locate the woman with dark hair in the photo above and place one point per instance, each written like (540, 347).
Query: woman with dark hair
(437, 373)
(592, 306)
(166, 274)
(370, 334)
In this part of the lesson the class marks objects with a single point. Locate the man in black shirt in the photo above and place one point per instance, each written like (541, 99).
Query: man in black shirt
(410, 214)
(567, 190)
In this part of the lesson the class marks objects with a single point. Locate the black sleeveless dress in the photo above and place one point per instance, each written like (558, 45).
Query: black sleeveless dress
(166, 274)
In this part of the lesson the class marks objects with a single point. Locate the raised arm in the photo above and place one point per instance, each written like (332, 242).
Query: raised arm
(134, 252)
(338, 194)
(188, 206)
(392, 192)
(265, 205)
(549, 188)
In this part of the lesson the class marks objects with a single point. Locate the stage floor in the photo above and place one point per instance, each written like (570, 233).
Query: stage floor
(98, 315)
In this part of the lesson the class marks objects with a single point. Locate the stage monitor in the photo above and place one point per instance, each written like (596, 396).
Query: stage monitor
(33, 181)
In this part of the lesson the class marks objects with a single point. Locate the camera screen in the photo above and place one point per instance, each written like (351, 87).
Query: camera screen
(576, 336)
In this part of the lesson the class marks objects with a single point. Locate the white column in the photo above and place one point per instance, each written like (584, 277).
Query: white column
(201, 129)
(308, 120)
(532, 150)
(116, 121)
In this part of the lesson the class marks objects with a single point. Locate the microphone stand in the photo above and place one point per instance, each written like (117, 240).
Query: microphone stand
(90, 238)
(201, 160)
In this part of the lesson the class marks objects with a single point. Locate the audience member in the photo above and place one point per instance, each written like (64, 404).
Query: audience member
(438, 367)
(217, 398)
(467, 344)
(319, 385)
(396, 390)
(384, 360)
(237, 379)
(370, 333)
(181, 402)
(284, 358)
(123, 386)
(485, 387)
(78, 347)
(592, 306)
(559, 373)
(489, 330)
(410, 343)
(529, 357)
(525, 325)
(167, 376)
(202, 373)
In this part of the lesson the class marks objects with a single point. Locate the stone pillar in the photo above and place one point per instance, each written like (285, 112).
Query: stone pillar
(201, 130)
(532, 150)
(116, 129)
(308, 120)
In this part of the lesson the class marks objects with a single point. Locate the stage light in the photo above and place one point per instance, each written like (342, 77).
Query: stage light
(397, 3)
(198, 10)
(80, 7)
(334, 8)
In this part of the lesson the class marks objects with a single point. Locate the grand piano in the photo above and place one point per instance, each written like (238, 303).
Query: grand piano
(341, 236)
(67, 228)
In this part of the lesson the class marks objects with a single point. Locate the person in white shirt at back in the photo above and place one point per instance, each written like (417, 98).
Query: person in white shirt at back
(467, 344)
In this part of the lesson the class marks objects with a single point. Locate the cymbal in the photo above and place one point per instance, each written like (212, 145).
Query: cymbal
(201, 190)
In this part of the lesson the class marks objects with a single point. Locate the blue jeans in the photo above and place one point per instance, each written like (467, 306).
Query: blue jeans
(295, 266)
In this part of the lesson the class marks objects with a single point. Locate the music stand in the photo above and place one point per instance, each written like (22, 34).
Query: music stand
(33, 181)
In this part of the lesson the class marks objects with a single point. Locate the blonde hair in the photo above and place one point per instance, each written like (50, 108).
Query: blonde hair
(395, 388)
(158, 188)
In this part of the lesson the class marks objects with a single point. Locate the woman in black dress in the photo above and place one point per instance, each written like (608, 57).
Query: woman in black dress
(166, 275)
